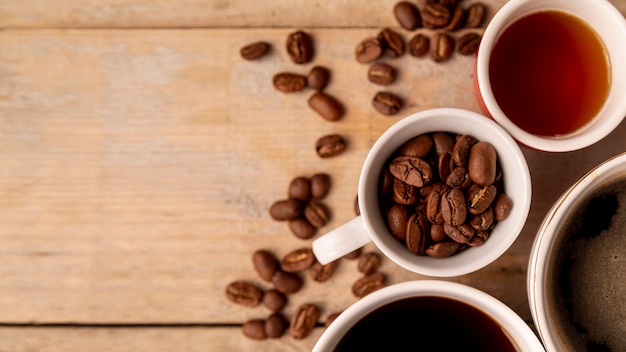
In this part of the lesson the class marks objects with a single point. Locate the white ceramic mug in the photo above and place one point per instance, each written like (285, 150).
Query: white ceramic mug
(610, 26)
(514, 327)
(370, 226)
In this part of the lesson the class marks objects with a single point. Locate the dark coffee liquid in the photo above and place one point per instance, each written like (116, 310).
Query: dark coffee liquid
(427, 323)
(586, 283)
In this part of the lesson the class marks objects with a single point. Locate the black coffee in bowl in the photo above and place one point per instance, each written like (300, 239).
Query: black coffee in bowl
(426, 323)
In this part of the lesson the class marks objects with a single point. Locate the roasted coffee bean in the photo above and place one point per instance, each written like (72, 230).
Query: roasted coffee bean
(300, 188)
(417, 234)
(435, 15)
(286, 283)
(303, 321)
(441, 47)
(407, 15)
(475, 15)
(418, 147)
(300, 47)
(368, 284)
(275, 326)
(483, 221)
(287, 82)
(460, 234)
(381, 73)
(461, 150)
(386, 182)
(254, 329)
(418, 45)
(244, 293)
(442, 249)
(432, 187)
(318, 78)
(331, 317)
(286, 209)
(368, 50)
(479, 198)
(317, 213)
(330, 145)
(322, 273)
(274, 300)
(478, 239)
(437, 233)
(502, 207)
(457, 19)
(443, 142)
(387, 103)
(453, 207)
(433, 207)
(459, 178)
(446, 3)
(326, 106)
(392, 42)
(445, 166)
(468, 44)
(403, 193)
(320, 185)
(355, 254)
(265, 264)
(254, 51)
(302, 228)
(482, 163)
(411, 170)
(369, 262)
(297, 260)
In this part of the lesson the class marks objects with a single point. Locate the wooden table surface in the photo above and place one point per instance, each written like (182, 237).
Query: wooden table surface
(139, 155)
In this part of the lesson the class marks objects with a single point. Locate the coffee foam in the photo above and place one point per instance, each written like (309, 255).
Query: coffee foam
(587, 277)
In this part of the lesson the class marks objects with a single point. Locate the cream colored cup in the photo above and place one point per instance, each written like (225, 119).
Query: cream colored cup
(370, 226)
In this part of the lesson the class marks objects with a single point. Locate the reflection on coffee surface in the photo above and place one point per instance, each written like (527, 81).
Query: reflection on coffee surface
(428, 323)
(586, 287)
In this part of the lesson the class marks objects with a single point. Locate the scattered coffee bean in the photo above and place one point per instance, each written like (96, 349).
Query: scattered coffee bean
(457, 19)
(381, 73)
(300, 188)
(299, 47)
(330, 145)
(368, 284)
(303, 321)
(468, 44)
(435, 15)
(331, 317)
(254, 51)
(275, 326)
(368, 50)
(326, 106)
(254, 329)
(265, 264)
(286, 283)
(441, 47)
(320, 185)
(387, 103)
(302, 228)
(418, 45)
(318, 77)
(244, 293)
(369, 262)
(355, 254)
(286, 209)
(392, 43)
(297, 260)
(274, 300)
(322, 273)
(287, 82)
(317, 213)
(475, 15)
(407, 15)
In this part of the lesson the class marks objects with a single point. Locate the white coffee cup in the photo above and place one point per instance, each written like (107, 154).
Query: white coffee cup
(370, 226)
(610, 26)
(514, 327)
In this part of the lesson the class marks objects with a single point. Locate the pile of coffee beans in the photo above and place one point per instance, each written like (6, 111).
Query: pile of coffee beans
(442, 193)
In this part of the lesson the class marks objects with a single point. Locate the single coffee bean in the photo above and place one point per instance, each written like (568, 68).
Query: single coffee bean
(320, 185)
(460, 234)
(407, 15)
(300, 188)
(331, 317)
(445, 165)
(418, 147)
(397, 220)
(275, 326)
(387, 103)
(443, 142)
(368, 50)
(302, 228)
(483, 221)
(254, 51)
(299, 47)
(441, 47)
(244, 293)
(478, 239)
(453, 207)
(287, 82)
(385, 186)
(457, 19)
(318, 77)
(322, 273)
(317, 213)
(411, 170)
(274, 300)
(461, 149)
(286, 209)
(326, 106)
(433, 207)
(502, 207)
(475, 15)
(481, 164)
(417, 234)
(265, 264)
(330, 145)
(254, 329)
(403, 193)
(435, 15)
(286, 283)
(369, 262)
(459, 178)
(368, 284)
(437, 233)
(297, 260)
(442, 249)
(392, 42)
(468, 44)
(381, 73)
(436, 186)
(479, 198)
(303, 321)
(418, 45)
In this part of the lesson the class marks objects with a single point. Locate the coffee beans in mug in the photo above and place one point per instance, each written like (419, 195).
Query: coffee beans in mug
(299, 47)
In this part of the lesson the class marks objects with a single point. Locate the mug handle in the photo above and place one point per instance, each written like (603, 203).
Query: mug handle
(341, 241)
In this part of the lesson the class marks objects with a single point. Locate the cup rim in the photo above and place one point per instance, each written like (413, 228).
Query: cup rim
(518, 330)
(540, 250)
(515, 172)
(576, 140)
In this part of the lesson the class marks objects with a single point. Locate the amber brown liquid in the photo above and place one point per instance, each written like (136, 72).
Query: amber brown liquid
(549, 73)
